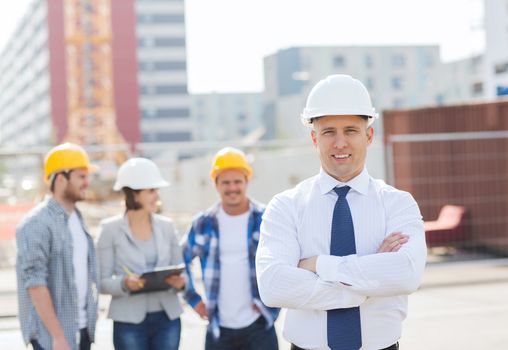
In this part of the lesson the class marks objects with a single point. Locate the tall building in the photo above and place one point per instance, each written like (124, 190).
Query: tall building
(164, 101)
(96, 72)
(27, 114)
(396, 77)
(223, 116)
(496, 47)
(460, 81)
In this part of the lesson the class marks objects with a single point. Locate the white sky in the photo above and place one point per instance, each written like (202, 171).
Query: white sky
(227, 39)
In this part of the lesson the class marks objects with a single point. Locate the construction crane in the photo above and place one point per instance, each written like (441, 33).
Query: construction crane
(91, 105)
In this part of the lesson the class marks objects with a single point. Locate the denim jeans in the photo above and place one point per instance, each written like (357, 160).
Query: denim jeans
(253, 337)
(155, 332)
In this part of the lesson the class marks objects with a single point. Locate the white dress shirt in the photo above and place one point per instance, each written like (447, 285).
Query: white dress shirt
(297, 225)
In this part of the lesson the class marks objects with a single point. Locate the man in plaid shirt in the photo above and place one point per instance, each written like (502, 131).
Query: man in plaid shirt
(56, 266)
(225, 239)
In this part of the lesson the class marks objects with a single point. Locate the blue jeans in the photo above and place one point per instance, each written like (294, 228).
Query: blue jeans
(155, 332)
(253, 337)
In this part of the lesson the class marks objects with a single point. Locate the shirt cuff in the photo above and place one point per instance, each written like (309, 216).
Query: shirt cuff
(328, 269)
(35, 282)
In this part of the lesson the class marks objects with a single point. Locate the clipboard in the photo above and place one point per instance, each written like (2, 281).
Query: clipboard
(154, 280)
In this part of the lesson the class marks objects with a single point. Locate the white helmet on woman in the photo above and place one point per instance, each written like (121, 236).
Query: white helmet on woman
(338, 94)
(139, 174)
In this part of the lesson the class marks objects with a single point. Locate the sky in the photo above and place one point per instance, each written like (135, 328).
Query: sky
(227, 39)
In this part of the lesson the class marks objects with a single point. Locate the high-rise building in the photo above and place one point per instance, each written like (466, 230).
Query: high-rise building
(96, 72)
(496, 47)
(396, 77)
(164, 101)
(226, 116)
(459, 81)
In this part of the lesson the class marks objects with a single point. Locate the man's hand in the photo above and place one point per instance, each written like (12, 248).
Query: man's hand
(60, 343)
(393, 242)
(176, 281)
(200, 308)
(308, 264)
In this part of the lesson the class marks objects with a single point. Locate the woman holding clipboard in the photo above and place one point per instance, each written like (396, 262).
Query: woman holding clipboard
(133, 243)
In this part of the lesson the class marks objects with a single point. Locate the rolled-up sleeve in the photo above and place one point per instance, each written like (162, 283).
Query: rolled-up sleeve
(33, 251)
(190, 251)
(281, 282)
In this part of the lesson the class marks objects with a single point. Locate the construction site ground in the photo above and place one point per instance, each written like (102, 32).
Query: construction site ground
(461, 305)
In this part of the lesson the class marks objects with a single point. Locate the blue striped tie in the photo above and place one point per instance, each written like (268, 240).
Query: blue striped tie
(343, 325)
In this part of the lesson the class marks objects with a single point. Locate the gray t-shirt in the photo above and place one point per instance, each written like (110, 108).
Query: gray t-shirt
(149, 249)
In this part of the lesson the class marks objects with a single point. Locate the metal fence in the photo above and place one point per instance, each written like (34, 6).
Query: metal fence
(453, 160)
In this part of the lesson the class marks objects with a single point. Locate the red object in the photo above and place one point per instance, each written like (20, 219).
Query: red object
(449, 229)
(57, 64)
(10, 217)
(125, 69)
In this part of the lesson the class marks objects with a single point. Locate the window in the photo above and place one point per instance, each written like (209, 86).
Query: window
(398, 103)
(477, 88)
(161, 18)
(177, 136)
(398, 61)
(501, 68)
(163, 89)
(166, 113)
(148, 66)
(369, 83)
(429, 61)
(397, 83)
(369, 63)
(162, 42)
(339, 61)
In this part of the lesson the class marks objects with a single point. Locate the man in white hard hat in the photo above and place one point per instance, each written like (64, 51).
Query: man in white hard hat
(341, 251)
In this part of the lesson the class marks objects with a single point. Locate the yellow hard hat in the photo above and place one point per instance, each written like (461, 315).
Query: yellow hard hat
(230, 158)
(66, 156)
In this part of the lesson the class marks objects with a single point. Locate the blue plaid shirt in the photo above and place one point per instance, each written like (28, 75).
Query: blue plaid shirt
(203, 242)
(44, 258)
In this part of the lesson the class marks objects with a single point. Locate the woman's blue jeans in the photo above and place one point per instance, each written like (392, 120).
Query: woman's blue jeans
(155, 332)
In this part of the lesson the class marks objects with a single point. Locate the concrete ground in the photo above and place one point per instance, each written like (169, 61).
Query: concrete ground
(461, 305)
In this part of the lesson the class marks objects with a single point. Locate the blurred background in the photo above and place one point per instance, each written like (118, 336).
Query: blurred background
(176, 80)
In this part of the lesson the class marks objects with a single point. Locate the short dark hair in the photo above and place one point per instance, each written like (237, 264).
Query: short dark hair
(130, 199)
(66, 174)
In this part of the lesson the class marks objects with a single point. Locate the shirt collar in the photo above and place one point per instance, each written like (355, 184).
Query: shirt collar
(57, 208)
(359, 183)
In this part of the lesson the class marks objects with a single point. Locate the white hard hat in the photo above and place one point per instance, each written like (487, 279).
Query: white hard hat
(338, 94)
(139, 174)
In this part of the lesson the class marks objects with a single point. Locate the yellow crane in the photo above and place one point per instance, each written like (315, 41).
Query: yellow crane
(90, 98)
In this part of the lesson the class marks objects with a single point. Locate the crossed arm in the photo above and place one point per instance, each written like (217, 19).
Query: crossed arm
(328, 282)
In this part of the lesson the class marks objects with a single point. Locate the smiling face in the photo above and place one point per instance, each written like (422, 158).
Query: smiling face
(231, 185)
(148, 199)
(342, 143)
(75, 186)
